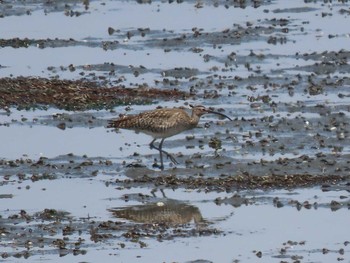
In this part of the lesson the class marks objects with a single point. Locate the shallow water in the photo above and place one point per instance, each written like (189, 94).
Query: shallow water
(257, 226)
(280, 70)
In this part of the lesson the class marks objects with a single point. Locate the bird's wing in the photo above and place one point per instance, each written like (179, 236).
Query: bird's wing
(160, 121)
(157, 121)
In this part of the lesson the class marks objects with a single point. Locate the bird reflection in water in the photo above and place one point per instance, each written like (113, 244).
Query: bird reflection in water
(168, 212)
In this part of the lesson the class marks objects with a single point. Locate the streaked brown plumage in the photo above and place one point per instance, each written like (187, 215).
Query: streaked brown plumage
(162, 123)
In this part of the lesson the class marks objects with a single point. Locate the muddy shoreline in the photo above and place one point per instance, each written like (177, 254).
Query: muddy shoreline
(272, 185)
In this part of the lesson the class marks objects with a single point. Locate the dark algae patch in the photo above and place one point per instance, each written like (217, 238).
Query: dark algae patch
(232, 183)
(28, 92)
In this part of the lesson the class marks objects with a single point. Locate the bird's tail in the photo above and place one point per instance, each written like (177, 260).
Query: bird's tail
(123, 122)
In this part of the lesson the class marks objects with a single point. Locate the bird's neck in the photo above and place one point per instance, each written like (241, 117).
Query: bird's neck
(194, 119)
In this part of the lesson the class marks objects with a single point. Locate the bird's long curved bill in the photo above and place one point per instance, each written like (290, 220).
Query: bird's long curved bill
(219, 113)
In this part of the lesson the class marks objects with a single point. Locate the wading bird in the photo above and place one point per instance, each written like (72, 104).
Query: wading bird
(162, 123)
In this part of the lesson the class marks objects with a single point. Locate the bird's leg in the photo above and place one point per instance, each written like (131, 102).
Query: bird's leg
(152, 146)
(161, 155)
(168, 155)
(161, 151)
(159, 148)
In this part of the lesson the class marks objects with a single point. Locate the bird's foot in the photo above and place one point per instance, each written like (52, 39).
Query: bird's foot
(155, 165)
(172, 158)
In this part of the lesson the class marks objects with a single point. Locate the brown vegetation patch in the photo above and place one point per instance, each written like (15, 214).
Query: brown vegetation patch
(229, 183)
(26, 93)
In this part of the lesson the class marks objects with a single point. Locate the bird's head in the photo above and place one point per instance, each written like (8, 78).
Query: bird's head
(200, 110)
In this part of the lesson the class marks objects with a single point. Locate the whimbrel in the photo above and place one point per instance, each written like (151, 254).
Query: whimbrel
(161, 124)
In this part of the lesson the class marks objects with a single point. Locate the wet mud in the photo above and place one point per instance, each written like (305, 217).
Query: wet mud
(272, 185)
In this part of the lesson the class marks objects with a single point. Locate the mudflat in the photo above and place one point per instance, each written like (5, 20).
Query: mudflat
(272, 185)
